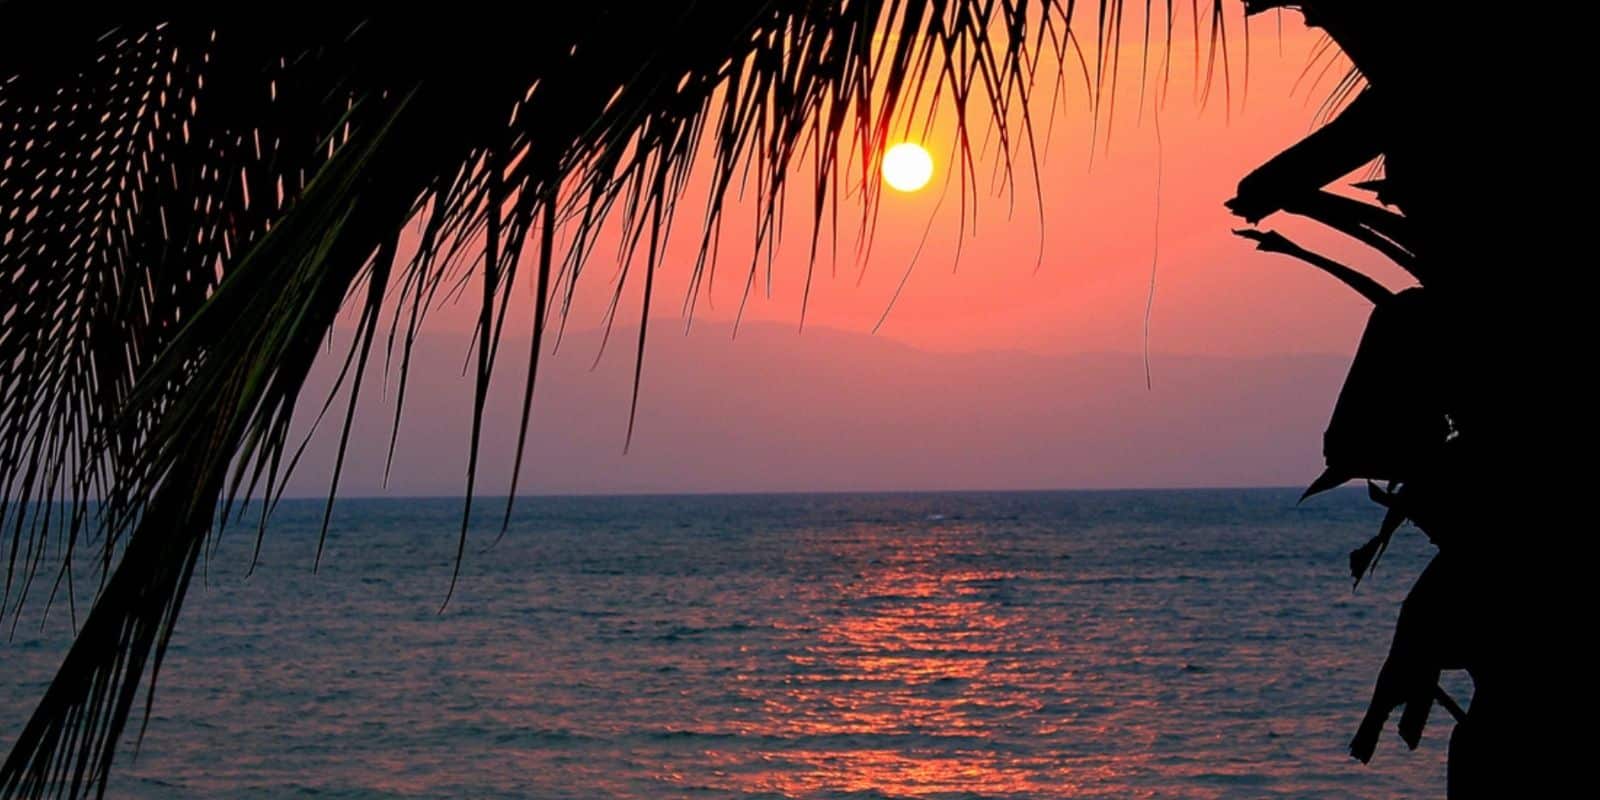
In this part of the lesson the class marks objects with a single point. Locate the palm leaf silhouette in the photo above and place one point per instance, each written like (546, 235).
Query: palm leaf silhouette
(189, 197)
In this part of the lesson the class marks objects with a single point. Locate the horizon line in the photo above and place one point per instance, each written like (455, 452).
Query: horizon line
(807, 492)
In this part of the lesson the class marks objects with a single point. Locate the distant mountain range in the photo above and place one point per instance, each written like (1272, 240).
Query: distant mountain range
(826, 410)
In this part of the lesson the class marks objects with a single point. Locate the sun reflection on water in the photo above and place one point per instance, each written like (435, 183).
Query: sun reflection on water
(900, 687)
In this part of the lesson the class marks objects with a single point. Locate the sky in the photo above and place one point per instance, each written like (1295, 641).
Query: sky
(1011, 300)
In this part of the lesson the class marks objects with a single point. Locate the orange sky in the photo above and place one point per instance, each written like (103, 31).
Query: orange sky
(1214, 294)
(1215, 298)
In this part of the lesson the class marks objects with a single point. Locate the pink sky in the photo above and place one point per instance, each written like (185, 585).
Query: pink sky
(1215, 298)
(1214, 295)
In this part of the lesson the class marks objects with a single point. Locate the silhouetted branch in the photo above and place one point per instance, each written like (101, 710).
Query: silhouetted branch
(1378, 228)
(1274, 242)
(1449, 704)
(1417, 656)
(1335, 149)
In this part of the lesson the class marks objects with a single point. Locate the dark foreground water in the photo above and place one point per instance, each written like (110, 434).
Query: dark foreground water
(1122, 644)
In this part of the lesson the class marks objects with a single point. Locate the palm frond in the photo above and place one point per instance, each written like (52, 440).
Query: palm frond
(187, 201)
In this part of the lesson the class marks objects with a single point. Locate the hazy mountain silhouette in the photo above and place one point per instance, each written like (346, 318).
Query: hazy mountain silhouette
(830, 410)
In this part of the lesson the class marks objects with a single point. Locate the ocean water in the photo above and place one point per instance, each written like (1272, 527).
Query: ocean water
(1186, 644)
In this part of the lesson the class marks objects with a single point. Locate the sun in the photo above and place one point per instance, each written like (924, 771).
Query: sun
(907, 166)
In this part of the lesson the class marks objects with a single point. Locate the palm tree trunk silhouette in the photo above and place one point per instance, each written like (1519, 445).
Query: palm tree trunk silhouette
(187, 199)
(1452, 384)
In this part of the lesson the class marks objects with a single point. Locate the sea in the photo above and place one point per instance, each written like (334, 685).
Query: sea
(1120, 644)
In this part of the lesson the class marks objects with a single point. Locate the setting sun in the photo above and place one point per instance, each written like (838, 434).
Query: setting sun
(907, 166)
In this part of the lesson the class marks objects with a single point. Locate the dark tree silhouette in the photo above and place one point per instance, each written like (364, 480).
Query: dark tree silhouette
(189, 195)
(1452, 384)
